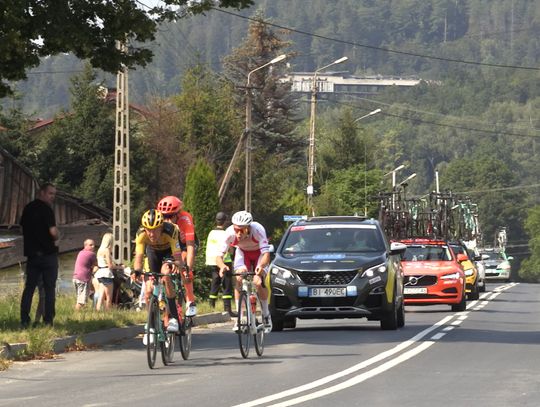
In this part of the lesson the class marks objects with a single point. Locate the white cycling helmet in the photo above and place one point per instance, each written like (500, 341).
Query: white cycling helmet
(242, 218)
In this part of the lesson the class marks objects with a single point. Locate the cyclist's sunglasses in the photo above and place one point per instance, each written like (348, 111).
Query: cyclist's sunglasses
(240, 229)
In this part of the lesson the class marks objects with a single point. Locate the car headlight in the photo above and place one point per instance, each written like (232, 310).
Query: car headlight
(370, 272)
(453, 276)
(281, 272)
(469, 272)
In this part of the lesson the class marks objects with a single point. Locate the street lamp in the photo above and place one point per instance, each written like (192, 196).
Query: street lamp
(365, 158)
(311, 149)
(405, 181)
(247, 192)
(367, 115)
(393, 172)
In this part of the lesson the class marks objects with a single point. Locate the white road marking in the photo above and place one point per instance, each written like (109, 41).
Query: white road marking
(449, 328)
(355, 368)
(461, 316)
(438, 336)
(359, 378)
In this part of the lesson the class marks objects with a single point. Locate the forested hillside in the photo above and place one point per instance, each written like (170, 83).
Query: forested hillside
(475, 118)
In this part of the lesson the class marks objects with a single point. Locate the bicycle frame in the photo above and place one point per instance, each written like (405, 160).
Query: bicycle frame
(247, 322)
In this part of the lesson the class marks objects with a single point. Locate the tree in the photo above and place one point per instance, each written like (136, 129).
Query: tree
(201, 196)
(349, 191)
(530, 268)
(201, 200)
(87, 28)
(208, 119)
(77, 152)
(273, 127)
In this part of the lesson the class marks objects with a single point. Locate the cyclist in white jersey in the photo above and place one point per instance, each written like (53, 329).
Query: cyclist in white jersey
(252, 253)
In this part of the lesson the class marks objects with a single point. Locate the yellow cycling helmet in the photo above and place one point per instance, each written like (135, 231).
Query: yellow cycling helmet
(152, 219)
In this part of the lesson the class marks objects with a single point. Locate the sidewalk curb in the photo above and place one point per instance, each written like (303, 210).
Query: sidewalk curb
(10, 351)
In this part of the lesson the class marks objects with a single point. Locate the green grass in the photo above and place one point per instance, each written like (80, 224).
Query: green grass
(67, 322)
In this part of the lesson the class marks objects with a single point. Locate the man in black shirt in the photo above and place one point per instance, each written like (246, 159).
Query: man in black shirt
(40, 233)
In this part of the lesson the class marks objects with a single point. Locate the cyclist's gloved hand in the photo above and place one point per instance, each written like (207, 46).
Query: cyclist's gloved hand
(135, 274)
(222, 270)
(259, 270)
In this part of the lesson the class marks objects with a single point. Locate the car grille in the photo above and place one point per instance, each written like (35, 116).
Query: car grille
(420, 280)
(328, 302)
(327, 277)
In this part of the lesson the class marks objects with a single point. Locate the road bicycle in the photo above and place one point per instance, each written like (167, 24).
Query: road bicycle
(156, 333)
(250, 317)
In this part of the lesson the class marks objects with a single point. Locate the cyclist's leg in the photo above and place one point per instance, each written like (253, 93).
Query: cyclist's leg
(188, 252)
(154, 266)
(252, 259)
(239, 267)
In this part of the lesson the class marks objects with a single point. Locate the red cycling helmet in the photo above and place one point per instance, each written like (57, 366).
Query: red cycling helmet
(169, 205)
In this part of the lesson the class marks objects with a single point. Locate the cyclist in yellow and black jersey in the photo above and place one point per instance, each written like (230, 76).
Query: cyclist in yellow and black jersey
(167, 241)
(158, 240)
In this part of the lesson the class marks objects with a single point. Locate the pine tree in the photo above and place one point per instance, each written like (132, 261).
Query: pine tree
(201, 197)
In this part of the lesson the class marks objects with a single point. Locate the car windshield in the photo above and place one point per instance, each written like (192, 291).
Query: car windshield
(427, 253)
(494, 256)
(333, 238)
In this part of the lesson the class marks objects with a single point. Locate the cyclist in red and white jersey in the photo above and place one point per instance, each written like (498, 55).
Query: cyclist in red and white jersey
(172, 209)
(252, 253)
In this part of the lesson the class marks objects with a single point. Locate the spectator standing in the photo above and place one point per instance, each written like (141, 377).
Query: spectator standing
(85, 266)
(104, 274)
(213, 246)
(40, 234)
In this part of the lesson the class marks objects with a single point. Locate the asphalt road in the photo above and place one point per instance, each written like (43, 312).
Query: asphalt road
(488, 355)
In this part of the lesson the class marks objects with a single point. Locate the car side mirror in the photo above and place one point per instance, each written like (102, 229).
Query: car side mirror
(397, 248)
(462, 257)
(509, 258)
(477, 258)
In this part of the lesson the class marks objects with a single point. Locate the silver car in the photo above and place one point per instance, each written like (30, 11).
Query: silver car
(497, 265)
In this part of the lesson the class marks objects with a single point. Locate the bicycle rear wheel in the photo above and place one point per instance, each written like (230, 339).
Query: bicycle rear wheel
(152, 328)
(185, 338)
(243, 325)
(167, 348)
(259, 323)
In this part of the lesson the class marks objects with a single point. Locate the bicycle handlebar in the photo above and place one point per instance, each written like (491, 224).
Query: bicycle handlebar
(245, 274)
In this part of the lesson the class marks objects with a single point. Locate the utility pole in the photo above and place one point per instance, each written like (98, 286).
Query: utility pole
(121, 213)
(311, 147)
(227, 177)
(247, 131)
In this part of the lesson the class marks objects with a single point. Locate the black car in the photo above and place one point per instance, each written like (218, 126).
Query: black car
(336, 267)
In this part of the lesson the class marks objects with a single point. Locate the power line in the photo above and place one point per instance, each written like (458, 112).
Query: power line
(53, 72)
(384, 49)
(481, 191)
(414, 119)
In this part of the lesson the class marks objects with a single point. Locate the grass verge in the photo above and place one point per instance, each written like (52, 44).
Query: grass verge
(40, 339)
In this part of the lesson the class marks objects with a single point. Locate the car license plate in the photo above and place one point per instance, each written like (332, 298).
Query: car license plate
(414, 290)
(328, 292)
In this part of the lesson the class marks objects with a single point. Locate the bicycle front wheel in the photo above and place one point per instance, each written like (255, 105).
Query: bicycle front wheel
(243, 324)
(259, 323)
(185, 338)
(152, 328)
